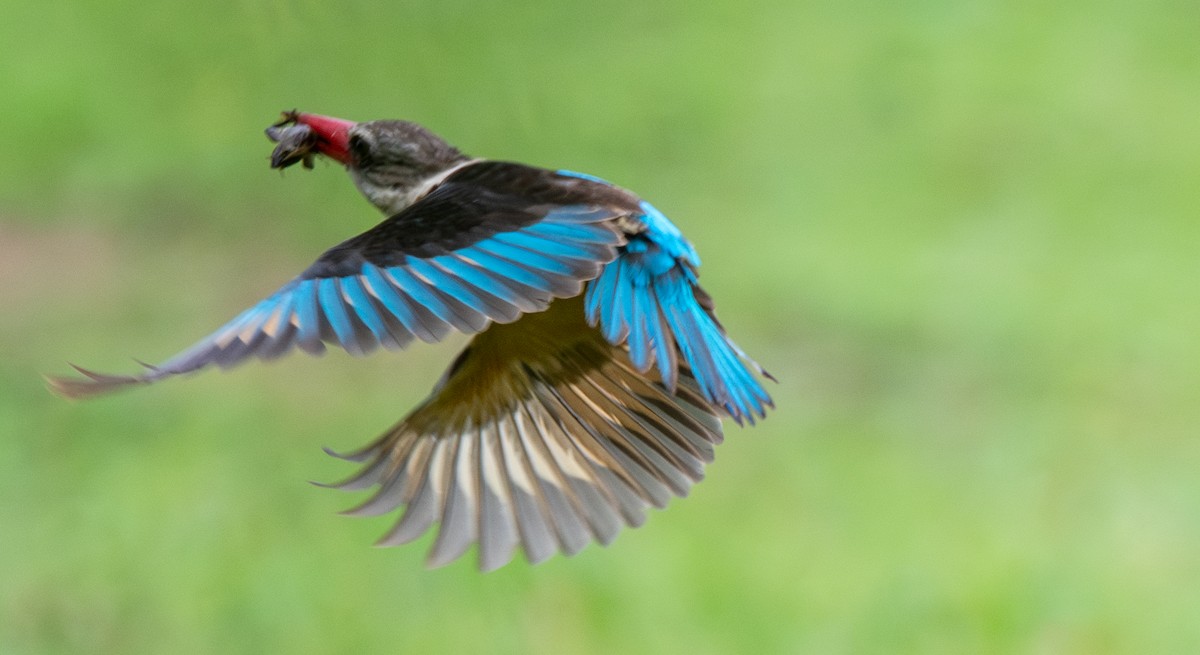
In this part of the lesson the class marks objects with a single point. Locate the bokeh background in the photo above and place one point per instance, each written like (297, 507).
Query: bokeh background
(962, 234)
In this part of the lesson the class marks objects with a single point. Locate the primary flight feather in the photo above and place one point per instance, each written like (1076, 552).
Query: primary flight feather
(595, 382)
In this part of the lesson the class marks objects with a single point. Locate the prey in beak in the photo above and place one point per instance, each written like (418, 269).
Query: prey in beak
(300, 136)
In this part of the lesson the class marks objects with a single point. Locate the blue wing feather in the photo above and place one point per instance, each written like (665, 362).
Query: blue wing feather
(360, 303)
(280, 327)
(335, 312)
(470, 274)
(511, 271)
(554, 246)
(604, 304)
(573, 232)
(639, 335)
(447, 284)
(650, 299)
(622, 304)
(382, 287)
(426, 295)
(307, 312)
(452, 278)
(534, 252)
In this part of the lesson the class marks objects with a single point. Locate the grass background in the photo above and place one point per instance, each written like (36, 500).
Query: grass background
(962, 234)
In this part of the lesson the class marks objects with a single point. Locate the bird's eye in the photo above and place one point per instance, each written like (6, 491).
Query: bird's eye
(360, 147)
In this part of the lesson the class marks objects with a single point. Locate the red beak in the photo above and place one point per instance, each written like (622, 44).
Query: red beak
(334, 133)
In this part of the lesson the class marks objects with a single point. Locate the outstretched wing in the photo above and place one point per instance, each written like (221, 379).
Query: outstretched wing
(650, 299)
(494, 241)
(542, 435)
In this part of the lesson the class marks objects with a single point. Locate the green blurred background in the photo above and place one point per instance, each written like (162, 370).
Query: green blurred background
(962, 234)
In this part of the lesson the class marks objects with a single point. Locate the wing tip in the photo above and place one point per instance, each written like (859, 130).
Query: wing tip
(360, 455)
(751, 414)
(92, 383)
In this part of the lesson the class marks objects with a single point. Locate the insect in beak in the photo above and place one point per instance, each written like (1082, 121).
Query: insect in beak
(297, 142)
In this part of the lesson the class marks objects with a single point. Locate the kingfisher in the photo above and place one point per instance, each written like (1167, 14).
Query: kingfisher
(595, 381)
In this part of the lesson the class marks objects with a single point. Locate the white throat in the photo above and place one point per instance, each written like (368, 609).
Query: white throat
(392, 200)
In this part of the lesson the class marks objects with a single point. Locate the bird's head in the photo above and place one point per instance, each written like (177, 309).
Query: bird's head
(391, 161)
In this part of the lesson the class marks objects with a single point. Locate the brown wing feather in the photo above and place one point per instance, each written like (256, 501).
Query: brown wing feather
(542, 435)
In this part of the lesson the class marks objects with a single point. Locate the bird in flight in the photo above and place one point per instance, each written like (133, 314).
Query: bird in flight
(598, 374)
